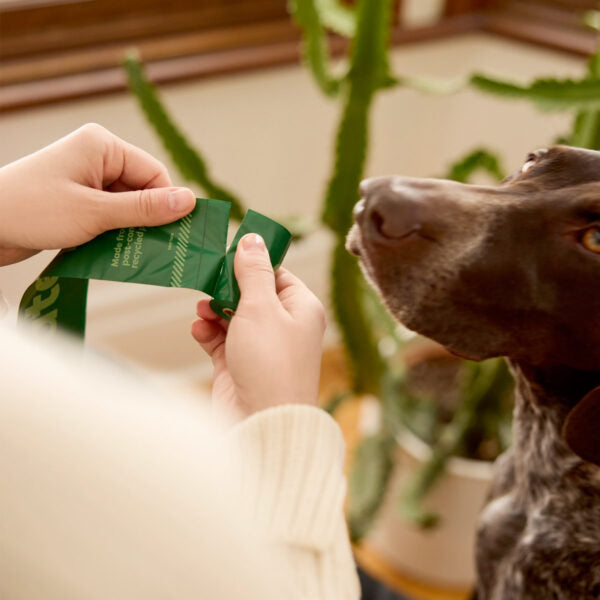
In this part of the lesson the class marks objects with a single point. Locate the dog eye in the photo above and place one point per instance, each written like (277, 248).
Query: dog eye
(591, 239)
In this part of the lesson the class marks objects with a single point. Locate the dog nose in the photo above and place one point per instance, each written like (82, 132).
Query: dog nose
(392, 218)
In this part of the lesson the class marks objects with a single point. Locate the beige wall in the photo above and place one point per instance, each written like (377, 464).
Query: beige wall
(268, 136)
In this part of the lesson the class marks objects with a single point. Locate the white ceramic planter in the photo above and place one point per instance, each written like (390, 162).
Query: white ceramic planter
(443, 556)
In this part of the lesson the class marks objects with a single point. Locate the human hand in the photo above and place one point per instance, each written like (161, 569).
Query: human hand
(80, 186)
(270, 352)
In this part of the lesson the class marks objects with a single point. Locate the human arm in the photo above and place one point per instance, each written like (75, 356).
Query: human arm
(290, 453)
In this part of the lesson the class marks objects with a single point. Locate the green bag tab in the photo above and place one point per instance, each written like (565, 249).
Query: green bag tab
(189, 253)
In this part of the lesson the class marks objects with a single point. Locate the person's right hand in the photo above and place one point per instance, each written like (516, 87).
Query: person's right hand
(79, 187)
(270, 352)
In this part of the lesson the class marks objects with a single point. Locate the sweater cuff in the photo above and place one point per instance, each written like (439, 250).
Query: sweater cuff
(291, 473)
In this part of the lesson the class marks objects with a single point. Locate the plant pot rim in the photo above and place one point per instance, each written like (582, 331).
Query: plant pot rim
(468, 468)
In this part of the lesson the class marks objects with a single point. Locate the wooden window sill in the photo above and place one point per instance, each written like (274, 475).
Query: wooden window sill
(47, 77)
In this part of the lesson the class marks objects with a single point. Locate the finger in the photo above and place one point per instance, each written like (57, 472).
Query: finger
(285, 279)
(253, 271)
(293, 293)
(298, 299)
(210, 336)
(118, 186)
(150, 207)
(133, 167)
(204, 311)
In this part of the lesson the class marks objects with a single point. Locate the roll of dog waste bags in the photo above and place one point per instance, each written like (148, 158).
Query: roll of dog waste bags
(189, 253)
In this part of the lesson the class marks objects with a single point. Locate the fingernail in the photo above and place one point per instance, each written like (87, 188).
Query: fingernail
(180, 199)
(252, 242)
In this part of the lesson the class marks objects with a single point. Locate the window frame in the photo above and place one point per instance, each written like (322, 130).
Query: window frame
(73, 50)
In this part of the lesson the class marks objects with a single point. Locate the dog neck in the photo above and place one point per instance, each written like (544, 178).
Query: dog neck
(543, 398)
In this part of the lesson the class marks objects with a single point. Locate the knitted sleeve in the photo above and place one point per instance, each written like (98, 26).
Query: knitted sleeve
(292, 481)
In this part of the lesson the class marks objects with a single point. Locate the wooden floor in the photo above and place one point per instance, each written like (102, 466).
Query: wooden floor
(333, 381)
(377, 568)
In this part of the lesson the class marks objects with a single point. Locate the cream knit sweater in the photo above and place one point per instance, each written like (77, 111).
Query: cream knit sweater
(109, 491)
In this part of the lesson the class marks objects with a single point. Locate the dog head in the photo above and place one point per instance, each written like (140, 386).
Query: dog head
(511, 270)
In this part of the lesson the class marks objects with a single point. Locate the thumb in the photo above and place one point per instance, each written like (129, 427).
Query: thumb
(150, 207)
(253, 270)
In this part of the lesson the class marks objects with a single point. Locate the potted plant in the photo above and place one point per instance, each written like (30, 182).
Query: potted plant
(419, 479)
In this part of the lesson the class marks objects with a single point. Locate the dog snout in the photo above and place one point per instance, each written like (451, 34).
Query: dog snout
(359, 210)
(395, 208)
(389, 217)
(366, 185)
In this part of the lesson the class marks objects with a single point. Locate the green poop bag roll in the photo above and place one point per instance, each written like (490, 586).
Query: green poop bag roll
(226, 294)
(189, 253)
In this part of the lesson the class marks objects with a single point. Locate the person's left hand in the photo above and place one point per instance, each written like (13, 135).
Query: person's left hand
(270, 353)
(80, 186)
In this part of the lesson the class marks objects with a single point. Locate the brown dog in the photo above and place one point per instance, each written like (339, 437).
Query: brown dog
(512, 271)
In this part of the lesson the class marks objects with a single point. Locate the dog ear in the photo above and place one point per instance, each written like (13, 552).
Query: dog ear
(581, 430)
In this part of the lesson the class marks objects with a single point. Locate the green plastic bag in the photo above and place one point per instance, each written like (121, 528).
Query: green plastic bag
(190, 253)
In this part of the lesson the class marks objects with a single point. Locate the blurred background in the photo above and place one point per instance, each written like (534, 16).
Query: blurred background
(259, 89)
